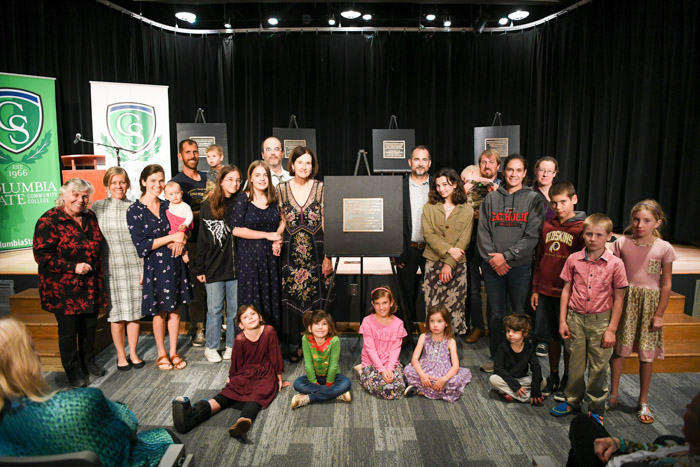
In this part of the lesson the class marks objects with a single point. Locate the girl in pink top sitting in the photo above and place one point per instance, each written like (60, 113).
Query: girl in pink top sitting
(380, 371)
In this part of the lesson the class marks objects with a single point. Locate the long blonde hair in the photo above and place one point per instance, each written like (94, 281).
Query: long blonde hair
(20, 369)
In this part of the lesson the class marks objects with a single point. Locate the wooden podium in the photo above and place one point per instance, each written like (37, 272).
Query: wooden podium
(85, 166)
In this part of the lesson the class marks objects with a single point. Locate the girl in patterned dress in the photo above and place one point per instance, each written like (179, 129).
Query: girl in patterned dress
(649, 265)
(380, 371)
(437, 375)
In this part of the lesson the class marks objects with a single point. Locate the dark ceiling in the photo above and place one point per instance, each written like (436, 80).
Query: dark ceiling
(212, 14)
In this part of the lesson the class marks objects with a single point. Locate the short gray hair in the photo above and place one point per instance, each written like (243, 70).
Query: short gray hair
(73, 185)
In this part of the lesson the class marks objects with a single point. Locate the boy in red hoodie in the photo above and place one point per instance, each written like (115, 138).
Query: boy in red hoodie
(561, 236)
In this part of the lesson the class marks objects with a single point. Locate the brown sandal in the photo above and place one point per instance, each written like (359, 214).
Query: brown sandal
(177, 361)
(162, 361)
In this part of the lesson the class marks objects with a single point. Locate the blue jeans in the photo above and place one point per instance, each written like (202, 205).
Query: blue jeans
(217, 292)
(320, 392)
(515, 284)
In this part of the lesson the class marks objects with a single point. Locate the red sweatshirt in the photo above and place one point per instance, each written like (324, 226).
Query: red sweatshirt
(557, 242)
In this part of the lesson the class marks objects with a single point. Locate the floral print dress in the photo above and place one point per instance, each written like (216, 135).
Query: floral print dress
(303, 284)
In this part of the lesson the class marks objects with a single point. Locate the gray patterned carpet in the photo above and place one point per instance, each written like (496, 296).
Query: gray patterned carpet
(479, 429)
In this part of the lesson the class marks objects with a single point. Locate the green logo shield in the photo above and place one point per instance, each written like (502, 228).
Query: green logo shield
(131, 125)
(21, 119)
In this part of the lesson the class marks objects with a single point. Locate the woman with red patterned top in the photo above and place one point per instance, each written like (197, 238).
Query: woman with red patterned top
(68, 249)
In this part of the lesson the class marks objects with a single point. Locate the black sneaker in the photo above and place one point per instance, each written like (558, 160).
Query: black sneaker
(94, 369)
(76, 379)
(552, 384)
(542, 350)
(410, 391)
(559, 396)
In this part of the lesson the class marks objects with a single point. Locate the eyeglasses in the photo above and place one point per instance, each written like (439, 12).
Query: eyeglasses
(546, 172)
(273, 149)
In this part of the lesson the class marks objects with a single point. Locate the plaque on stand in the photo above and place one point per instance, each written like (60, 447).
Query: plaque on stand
(503, 138)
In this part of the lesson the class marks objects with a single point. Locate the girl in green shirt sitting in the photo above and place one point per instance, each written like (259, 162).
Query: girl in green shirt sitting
(321, 346)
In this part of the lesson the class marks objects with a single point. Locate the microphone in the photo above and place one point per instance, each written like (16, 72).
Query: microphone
(77, 138)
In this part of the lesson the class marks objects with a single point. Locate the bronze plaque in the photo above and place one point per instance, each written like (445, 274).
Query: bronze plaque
(363, 214)
(499, 144)
(290, 144)
(394, 149)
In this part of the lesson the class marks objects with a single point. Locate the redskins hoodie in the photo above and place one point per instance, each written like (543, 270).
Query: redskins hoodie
(510, 223)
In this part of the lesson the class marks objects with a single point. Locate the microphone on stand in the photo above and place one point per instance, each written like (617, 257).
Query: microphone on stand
(77, 138)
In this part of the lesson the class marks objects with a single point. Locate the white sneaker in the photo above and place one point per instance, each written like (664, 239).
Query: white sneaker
(227, 353)
(212, 355)
(300, 400)
(345, 397)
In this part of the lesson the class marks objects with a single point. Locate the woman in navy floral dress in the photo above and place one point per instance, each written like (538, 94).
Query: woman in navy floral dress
(166, 284)
(304, 267)
(256, 221)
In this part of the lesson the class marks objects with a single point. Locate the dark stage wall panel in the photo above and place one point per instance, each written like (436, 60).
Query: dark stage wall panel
(610, 89)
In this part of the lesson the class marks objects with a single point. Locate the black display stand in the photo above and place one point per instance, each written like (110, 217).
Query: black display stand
(294, 136)
(212, 133)
(391, 149)
(388, 243)
(503, 138)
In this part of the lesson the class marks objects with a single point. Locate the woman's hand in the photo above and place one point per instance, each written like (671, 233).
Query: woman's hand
(446, 274)
(273, 236)
(177, 249)
(202, 278)
(456, 253)
(327, 266)
(277, 247)
(388, 376)
(82, 268)
(179, 237)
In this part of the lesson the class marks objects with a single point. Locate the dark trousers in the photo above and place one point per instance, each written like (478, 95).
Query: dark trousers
(76, 340)
(248, 409)
(474, 310)
(197, 308)
(410, 281)
(582, 433)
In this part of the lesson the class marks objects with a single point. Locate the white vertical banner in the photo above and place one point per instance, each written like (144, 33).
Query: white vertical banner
(134, 117)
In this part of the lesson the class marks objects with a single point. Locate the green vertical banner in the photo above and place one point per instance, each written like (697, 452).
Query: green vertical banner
(30, 174)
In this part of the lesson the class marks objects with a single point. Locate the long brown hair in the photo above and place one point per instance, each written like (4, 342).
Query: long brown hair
(453, 178)
(313, 317)
(381, 292)
(441, 310)
(271, 193)
(216, 200)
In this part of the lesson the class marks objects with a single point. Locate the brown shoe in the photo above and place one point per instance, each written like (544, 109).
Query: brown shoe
(474, 336)
(240, 428)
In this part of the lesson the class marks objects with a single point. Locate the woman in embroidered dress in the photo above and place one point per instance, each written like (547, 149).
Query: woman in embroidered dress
(304, 267)
(122, 267)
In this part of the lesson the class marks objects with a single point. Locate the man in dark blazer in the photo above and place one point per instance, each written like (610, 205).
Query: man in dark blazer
(416, 187)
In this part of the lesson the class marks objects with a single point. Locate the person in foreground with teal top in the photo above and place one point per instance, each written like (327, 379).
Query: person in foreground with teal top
(323, 380)
(36, 421)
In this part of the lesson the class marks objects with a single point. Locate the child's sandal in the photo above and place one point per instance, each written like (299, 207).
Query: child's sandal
(645, 411)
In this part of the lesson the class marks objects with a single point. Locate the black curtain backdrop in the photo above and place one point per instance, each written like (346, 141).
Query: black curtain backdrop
(610, 89)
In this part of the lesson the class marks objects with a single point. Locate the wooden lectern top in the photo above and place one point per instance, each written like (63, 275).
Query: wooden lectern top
(71, 161)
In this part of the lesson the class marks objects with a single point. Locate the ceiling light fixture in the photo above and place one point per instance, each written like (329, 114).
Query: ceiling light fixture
(227, 24)
(518, 15)
(186, 16)
(272, 21)
(429, 17)
(503, 21)
(350, 14)
(367, 16)
(331, 20)
(447, 22)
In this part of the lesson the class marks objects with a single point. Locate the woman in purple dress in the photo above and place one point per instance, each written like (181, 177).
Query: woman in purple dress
(257, 223)
(436, 373)
(166, 284)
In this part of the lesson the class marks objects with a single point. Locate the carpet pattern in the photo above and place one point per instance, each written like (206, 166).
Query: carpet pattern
(479, 429)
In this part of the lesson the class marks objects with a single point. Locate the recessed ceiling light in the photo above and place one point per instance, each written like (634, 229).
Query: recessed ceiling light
(518, 15)
(186, 16)
(367, 17)
(273, 21)
(227, 25)
(429, 17)
(503, 21)
(331, 20)
(447, 22)
(350, 14)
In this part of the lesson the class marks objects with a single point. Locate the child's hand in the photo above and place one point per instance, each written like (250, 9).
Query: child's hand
(182, 227)
(186, 257)
(522, 392)
(284, 384)
(439, 384)
(228, 380)
(608, 339)
(534, 300)
(388, 376)
(564, 331)
(536, 400)
(656, 323)
(604, 448)
(425, 381)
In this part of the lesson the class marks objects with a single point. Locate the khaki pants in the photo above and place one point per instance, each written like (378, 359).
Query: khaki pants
(585, 346)
(500, 385)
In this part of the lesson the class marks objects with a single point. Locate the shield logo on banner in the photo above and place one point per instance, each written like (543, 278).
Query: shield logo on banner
(21, 119)
(131, 125)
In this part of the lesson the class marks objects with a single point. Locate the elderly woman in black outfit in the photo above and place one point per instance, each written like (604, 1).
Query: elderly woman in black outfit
(68, 249)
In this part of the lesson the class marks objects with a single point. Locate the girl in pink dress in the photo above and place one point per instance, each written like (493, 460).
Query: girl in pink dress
(436, 373)
(649, 265)
(380, 371)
